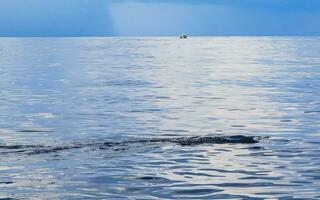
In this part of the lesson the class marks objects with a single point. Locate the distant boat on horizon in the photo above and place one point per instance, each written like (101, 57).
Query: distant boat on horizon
(183, 36)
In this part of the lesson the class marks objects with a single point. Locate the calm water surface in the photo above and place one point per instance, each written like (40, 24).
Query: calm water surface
(59, 92)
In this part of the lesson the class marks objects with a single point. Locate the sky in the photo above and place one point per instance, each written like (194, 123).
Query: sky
(159, 17)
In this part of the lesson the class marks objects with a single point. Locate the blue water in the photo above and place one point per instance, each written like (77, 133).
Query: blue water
(62, 100)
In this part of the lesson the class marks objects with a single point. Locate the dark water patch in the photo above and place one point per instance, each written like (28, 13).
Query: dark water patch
(301, 182)
(149, 56)
(194, 174)
(119, 146)
(5, 182)
(33, 131)
(148, 178)
(199, 97)
(154, 179)
(46, 150)
(175, 130)
(17, 147)
(238, 126)
(253, 185)
(181, 160)
(255, 148)
(152, 96)
(313, 142)
(242, 110)
(270, 193)
(261, 177)
(234, 110)
(312, 111)
(8, 198)
(224, 150)
(286, 120)
(146, 110)
(224, 171)
(258, 154)
(217, 98)
(196, 192)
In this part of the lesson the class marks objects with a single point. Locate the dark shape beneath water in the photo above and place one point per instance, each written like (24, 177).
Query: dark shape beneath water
(183, 141)
(187, 141)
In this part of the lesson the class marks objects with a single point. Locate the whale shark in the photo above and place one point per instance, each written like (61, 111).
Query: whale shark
(182, 141)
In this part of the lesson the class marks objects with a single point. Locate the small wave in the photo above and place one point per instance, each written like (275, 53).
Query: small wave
(311, 111)
(183, 141)
(33, 131)
(8, 198)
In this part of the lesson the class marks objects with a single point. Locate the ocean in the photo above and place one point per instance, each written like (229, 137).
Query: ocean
(160, 118)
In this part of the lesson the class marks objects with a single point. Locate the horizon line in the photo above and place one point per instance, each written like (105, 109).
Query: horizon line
(147, 36)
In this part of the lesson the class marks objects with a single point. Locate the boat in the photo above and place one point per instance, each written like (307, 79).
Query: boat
(183, 36)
